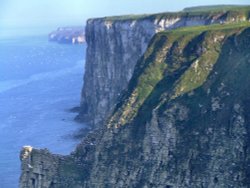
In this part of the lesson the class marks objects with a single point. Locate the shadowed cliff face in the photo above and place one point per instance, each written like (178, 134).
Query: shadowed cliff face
(182, 122)
(116, 44)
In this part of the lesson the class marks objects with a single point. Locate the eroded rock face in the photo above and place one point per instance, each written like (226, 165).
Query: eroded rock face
(114, 47)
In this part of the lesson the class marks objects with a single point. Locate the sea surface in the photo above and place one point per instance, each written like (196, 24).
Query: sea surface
(39, 82)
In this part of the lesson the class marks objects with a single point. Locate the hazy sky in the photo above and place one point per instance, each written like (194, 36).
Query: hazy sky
(33, 13)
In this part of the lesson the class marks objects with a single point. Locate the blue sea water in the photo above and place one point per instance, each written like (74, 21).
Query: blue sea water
(39, 82)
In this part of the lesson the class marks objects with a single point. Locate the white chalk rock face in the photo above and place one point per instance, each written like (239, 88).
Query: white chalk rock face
(114, 47)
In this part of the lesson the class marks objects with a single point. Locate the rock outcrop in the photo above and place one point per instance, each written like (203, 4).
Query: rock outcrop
(182, 121)
(116, 44)
(39, 167)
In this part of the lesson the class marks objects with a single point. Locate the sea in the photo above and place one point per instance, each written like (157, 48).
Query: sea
(40, 82)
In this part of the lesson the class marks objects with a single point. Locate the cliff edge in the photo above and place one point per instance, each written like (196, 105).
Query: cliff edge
(115, 44)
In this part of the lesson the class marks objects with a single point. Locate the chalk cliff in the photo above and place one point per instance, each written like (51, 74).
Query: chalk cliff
(116, 44)
(182, 119)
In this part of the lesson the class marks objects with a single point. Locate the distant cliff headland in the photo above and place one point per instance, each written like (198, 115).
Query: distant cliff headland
(68, 35)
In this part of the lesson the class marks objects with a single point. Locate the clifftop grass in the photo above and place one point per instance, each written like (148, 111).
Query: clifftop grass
(216, 8)
(222, 27)
(204, 11)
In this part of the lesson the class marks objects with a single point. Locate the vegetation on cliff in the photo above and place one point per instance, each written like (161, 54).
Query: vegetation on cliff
(192, 137)
(176, 62)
